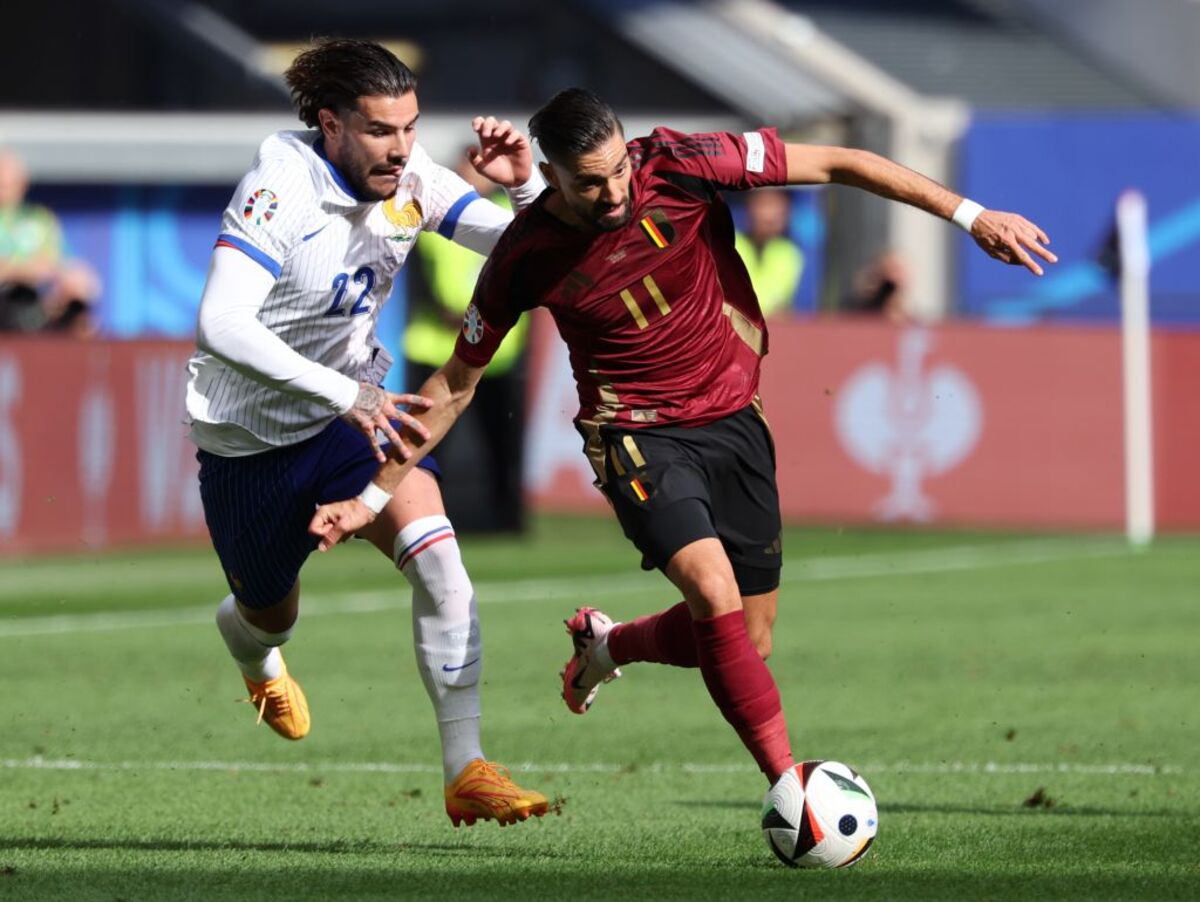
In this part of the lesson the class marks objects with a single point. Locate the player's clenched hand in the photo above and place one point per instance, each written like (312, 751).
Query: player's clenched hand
(336, 522)
(374, 410)
(503, 154)
(1011, 238)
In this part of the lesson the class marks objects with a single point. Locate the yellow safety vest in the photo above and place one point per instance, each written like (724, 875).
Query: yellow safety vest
(774, 271)
(451, 271)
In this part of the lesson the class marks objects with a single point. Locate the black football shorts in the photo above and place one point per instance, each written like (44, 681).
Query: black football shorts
(673, 485)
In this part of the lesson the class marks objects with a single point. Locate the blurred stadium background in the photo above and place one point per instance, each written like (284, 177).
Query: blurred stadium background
(152, 110)
(912, 382)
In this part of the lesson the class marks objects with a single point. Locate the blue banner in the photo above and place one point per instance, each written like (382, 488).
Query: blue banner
(1065, 173)
(151, 246)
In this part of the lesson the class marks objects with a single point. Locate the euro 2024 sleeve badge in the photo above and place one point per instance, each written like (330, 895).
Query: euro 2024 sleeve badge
(260, 207)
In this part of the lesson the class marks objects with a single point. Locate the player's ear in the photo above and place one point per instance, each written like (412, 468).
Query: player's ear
(329, 122)
(549, 175)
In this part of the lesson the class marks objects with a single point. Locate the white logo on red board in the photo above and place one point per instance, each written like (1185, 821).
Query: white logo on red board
(908, 423)
(96, 441)
(168, 493)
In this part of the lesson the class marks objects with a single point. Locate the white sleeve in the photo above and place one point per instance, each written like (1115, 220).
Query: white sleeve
(455, 210)
(228, 328)
(480, 225)
(524, 195)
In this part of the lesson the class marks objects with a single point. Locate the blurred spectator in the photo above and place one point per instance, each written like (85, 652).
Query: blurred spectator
(773, 259)
(442, 278)
(40, 289)
(881, 289)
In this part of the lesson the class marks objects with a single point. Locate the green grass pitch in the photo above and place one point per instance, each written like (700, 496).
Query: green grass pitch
(1025, 708)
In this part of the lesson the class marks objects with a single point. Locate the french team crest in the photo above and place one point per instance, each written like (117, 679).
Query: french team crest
(260, 206)
(657, 228)
(406, 217)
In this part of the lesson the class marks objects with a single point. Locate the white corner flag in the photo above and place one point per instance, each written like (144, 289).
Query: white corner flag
(1135, 351)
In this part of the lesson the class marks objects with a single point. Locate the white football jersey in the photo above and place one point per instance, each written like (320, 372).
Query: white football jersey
(334, 259)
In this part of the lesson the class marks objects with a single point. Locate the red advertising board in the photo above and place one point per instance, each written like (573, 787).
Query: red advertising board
(1176, 373)
(955, 425)
(93, 450)
(958, 424)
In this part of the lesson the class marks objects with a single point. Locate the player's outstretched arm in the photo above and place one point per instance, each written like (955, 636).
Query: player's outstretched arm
(505, 157)
(1008, 237)
(449, 390)
(504, 154)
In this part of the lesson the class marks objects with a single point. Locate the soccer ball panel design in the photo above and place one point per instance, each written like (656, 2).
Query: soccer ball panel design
(820, 814)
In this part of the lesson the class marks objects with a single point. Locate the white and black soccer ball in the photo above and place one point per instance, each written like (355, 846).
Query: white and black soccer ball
(820, 814)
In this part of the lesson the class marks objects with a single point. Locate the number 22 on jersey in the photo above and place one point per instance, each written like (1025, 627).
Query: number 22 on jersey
(364, 276)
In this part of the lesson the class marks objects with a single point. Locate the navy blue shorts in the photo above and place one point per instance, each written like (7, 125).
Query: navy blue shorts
(258, 507)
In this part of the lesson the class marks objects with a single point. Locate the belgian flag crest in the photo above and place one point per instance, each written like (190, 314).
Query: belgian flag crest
(657, 228)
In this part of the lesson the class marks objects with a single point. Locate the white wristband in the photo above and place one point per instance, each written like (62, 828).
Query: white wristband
(964, 217)
(374, 498)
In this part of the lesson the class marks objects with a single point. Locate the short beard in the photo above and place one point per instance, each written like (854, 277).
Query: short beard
(612, 226)
(368, 194)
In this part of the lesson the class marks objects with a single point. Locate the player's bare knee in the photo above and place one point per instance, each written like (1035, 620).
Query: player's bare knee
(761, 639)
(714, 594)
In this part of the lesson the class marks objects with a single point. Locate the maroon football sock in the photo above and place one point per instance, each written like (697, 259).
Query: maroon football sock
(662, 638)
(740, 683)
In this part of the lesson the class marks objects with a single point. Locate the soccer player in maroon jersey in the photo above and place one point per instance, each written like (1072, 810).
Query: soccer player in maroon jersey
(632, 251)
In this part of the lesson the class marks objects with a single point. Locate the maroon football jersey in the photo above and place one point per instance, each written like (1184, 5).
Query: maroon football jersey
(659, 316)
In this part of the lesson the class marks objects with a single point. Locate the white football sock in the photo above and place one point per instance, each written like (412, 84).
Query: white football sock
(445, 635)
(255, 651)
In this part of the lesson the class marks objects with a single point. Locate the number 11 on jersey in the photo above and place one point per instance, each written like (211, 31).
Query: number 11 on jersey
(635, 308)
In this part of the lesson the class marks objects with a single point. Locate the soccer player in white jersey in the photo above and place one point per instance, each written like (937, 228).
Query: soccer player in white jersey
(284, 399)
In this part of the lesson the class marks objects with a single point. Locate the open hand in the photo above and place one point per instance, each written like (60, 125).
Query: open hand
(1011, 238)
(375, 409)
(503, 154)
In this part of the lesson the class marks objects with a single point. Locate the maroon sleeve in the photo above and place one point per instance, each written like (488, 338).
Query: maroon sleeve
(491, 313)
(726, 160)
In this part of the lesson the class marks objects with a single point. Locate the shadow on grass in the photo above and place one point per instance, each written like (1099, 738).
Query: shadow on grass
(602, 879)
(1060, 810)
(335, 847)
(1008, 811)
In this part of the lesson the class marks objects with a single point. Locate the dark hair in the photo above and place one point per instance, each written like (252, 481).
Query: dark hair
(338, 71)
(573, 122)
